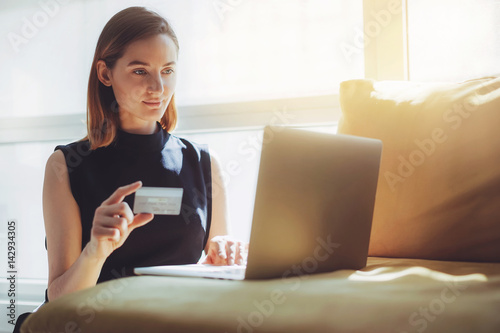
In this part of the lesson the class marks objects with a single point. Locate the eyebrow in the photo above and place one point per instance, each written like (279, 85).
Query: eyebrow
(142, 63)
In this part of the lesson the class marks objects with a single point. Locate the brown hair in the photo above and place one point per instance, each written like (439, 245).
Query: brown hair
(123, 28)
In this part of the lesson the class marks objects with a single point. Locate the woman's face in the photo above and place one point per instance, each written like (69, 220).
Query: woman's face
(143, 81)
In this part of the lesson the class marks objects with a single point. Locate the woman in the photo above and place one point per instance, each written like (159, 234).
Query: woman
(92, 233)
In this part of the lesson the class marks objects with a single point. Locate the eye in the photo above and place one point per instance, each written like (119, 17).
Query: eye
(139, 71)
(168, 71)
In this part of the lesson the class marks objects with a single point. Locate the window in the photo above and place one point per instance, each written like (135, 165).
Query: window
(453, 39)
(229, 50)
(259, 50)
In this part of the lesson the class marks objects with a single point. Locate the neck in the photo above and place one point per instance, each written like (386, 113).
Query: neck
(138, 126)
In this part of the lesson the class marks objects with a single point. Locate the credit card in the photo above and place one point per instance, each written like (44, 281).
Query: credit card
(158, 200)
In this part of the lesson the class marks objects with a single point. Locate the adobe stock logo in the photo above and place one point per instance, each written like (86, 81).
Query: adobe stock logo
(420, 320)
(265, 308)
(425, 148)
(223, 6)
(372, 29)
(31, 26)
(452, 120)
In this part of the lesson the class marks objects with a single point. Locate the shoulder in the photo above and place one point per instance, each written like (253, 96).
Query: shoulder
(56, 161)
(207, 156)
(197, 153)
(78, 147)
(76, 153)
(201, 150)
(65, 157)
(56, 170)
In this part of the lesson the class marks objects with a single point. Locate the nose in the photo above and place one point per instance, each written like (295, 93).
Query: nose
(155, 84)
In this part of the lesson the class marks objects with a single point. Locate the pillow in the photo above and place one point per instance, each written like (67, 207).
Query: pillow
(438, 194)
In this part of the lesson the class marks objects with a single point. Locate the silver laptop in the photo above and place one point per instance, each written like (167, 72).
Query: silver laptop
(313, 208)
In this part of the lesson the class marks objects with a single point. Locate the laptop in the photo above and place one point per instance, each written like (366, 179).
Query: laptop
(313, 208)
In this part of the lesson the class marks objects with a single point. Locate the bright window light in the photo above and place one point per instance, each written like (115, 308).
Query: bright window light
(230, 51)
(453, 39)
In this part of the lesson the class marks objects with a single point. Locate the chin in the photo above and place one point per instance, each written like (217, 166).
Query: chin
(153, 114)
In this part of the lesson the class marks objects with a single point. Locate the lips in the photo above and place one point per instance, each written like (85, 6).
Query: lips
(153, 103)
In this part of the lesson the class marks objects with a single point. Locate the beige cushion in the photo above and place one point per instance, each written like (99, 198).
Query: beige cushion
(386, 296)
(438, 194)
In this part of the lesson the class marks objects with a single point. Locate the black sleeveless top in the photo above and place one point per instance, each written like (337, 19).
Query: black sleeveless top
(159, 160)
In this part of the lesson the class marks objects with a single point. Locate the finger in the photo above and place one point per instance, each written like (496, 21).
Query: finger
(119, 224)
(215, 259)
(221, 249)
(121, 209)
(104, 233)
(231, 252)
(241, 256)
(238, 259)
(217, 253)
(122, 225)
(140, 220)
(111, 221)
(126, 212)
(122, 192)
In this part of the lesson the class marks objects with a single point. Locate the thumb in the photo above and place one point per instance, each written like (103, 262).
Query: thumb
(209, 257)
(208, 260)
(140, 220)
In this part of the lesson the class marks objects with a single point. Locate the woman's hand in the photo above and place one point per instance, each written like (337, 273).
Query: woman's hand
(224, 250)
(114, 221)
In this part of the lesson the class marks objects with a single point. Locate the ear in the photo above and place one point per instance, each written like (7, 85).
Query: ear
(103, 73)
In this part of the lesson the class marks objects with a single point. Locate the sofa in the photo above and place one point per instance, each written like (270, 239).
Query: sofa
(434, 254)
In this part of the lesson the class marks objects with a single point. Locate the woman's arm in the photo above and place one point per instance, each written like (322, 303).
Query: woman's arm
(220, 215)
(221, 249)
(70, 268)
